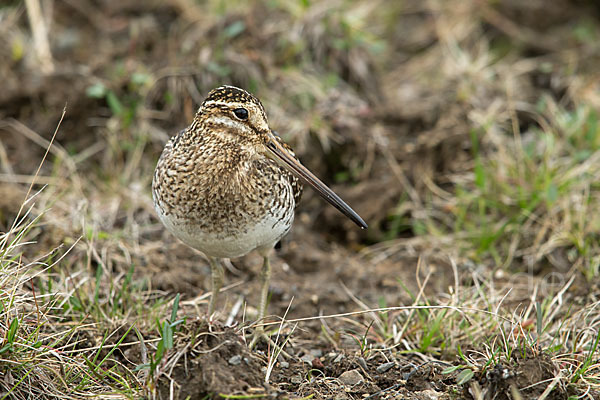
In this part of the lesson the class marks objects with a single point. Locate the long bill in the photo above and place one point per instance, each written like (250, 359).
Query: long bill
(294, 166)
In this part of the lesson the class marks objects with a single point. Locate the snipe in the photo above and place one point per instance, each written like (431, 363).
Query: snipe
(227, 185)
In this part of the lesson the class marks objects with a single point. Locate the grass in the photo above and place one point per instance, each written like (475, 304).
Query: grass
(425, 115)
(51, 322)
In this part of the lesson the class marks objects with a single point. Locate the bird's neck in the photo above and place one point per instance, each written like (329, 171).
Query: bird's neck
(224, 153)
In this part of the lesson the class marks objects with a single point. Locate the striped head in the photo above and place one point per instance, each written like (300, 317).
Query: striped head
(232, 111)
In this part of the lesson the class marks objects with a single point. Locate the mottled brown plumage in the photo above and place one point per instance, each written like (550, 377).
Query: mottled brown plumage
(227, 184)
(215, 185)
(212, 178)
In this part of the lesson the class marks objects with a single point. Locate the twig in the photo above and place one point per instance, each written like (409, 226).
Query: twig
(40, 36)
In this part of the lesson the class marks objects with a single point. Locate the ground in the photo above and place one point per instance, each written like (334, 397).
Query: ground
(464, 132)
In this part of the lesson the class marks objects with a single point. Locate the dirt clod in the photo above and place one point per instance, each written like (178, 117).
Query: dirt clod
(351, 378)
(219, 363)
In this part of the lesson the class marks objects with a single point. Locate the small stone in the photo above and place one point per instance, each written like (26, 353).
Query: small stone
(316, 352)
(351, 378)
(339, 358)
(307, 358)
(361, 361)
(318, 364)
(284, 364)
(235, 360)
(385, 367)
(430, 394)
(296, 379)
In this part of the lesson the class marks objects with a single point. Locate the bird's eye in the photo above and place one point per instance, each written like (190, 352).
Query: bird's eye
(241, 113)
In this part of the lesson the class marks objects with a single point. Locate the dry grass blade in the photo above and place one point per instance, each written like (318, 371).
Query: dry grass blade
(33, 181)
(40, 35)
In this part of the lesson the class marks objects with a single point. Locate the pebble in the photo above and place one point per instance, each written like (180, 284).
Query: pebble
(307, 358)
(351, 378)
(318, 364)
(296, 379)
(284, 364)
(385, 367)
(235, 360)
(430, 394)
(361, 361)
(316, 352)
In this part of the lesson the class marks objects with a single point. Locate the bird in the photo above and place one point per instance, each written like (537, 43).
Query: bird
(228, 184)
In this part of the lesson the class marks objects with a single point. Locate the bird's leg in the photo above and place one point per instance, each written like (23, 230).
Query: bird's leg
(265, 277)
(259, 332)
(216, 270)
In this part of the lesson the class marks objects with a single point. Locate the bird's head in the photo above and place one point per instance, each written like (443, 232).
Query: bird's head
(237, 114)
(233, 112)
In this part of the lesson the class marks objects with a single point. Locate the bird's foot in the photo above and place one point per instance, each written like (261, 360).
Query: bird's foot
(277, 348)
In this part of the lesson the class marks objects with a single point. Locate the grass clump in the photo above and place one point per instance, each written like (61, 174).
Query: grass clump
(67, 333)
(533, 195)
(43, 352)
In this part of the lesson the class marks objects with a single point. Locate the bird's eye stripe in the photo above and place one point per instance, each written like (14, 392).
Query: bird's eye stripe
(241, 113)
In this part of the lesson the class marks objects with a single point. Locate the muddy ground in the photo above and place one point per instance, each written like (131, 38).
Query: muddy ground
(392, 122)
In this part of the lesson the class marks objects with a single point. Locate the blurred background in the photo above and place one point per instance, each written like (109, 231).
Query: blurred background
(465, 132)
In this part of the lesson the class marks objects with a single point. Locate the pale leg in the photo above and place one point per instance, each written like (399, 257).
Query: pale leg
(216, 270)
(265, 277)
(259, 332)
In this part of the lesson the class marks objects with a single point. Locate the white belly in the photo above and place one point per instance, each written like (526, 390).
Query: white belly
(265, 233)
